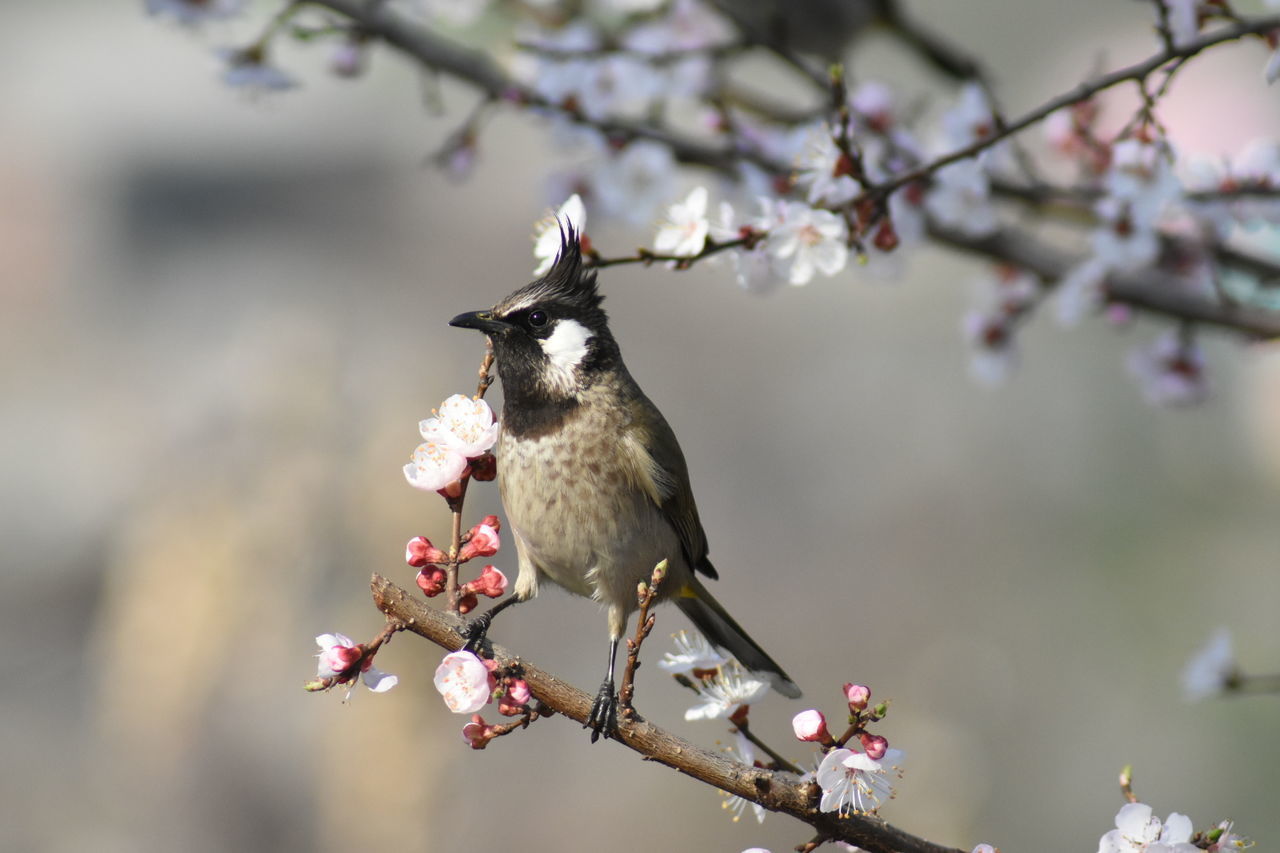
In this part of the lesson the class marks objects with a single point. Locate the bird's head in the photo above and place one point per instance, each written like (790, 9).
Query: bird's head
(550, 337)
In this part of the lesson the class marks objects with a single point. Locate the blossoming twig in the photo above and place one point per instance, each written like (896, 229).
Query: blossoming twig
(778, 791)
(646, 595)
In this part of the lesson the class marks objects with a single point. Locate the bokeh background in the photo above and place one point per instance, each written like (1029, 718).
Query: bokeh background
(222, 317)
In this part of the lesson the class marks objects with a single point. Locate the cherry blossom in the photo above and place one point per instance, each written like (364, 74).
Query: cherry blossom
(960, 198)
(744, 751)
(248, 69)
(857, 695)
(464, 682)
(482, 540)
(1139, 831)
(853, 782)
(1170, 371)
(693, 654)
(721, 696)
(826, 170)
(339, 653)
(547, 233)
(1211, 668)
(631, 183)
(194, 12)
(435, 466)
(684, 234)
(464, 424)
(804, 240)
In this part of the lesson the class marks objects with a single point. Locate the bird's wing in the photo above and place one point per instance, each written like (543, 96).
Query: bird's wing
(661, 471)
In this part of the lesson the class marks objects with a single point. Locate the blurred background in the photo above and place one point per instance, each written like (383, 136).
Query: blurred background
(222, 317)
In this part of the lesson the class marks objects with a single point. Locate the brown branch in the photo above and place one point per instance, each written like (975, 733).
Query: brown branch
(1137, 73)
(1147, 290)
(775, 790)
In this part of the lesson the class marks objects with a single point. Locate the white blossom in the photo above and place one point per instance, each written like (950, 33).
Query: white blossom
(631, 183)
(194, 12)
(803, 240)
(1139, 831)
(549, 230)
(684, 233)
(1211, 668)
(463, 423)
(463, 681)
(960, 198)
(745, 752)
(338, 653)
(435, 466)
(693, 652)
(852, 782)
(824, 169)
(1170, 371)
(732, 688)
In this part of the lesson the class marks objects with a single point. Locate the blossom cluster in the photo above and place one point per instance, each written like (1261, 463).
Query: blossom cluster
(456, 443)
(468, 683)
(342, 661)
(481, 540)
(1138, 830)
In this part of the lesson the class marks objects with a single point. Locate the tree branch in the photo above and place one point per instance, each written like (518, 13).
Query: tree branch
(775, 790)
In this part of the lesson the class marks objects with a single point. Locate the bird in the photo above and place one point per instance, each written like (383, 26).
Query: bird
(594, 484)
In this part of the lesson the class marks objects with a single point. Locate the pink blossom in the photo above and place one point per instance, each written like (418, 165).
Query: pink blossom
(464, 682)
(435, 466)
(516, 698)
(477, 733)
(811, 726)
(338, 657)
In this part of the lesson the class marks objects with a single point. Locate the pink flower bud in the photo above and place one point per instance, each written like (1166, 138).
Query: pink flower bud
(482, 541)
(477, 733)
(420, 552)
(811, 726)
(431, 581)
(491, 582)
(874, 746)
(513, 702)
(858, 695)
(467, 602)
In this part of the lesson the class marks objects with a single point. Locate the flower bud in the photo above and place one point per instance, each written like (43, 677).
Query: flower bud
(811, 726)
(514, 701)
(874, 746)
(420, 552)
(467, 602)
(858, 696)
(477, 733)
(431, 581)
(491, 582)
(482, 541)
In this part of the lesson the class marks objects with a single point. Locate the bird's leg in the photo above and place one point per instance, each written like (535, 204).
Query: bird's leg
(477, 628)
(604, 711)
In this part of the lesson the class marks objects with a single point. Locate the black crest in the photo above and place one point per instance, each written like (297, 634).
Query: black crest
(568, 280)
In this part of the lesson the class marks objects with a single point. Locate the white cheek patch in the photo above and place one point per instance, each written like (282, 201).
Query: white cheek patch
(565, 348)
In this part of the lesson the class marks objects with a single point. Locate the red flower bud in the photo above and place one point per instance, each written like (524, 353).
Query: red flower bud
(420, 552)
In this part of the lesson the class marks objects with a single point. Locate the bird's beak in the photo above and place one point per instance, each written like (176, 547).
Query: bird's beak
(481, 320)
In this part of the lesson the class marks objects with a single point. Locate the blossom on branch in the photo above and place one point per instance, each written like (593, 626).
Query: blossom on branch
(684, 233)
(693, 655)
(1139, 831)
(804, 240)
(464, 681)
(1170, 371)
(723, 695)
(853, 782)
(463, 423)
(341, 659)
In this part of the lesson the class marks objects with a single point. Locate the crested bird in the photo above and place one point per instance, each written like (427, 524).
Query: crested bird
(595, 486)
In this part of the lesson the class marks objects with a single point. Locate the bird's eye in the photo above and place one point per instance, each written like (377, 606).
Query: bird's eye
(537, 318)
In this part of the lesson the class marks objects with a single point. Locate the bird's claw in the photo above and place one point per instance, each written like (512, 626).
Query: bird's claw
(476, 630)
(603, 719)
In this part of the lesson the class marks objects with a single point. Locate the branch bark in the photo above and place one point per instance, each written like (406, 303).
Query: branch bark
(777, 791)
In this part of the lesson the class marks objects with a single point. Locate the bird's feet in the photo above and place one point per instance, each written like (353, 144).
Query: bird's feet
(476, 630)
(603, 719)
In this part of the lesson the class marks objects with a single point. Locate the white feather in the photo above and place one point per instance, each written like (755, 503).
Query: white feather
(565, 348)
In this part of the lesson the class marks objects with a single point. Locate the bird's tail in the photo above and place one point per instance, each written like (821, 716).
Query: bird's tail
(720, 629)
